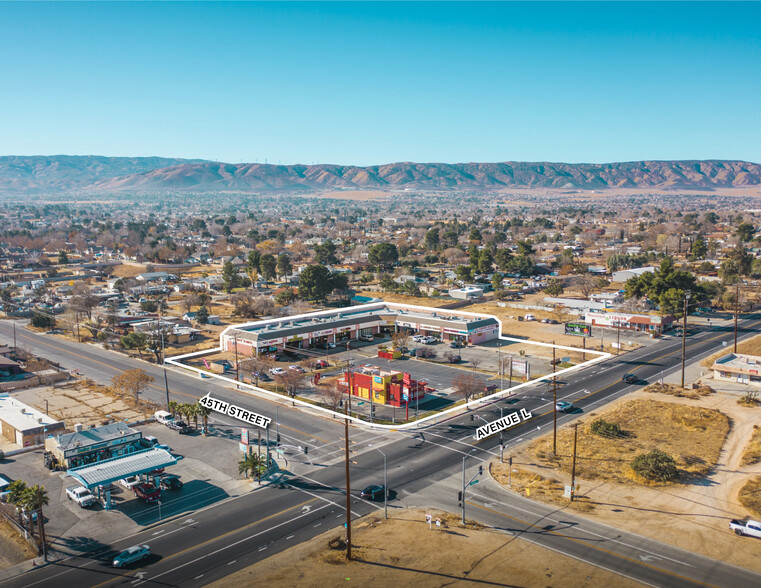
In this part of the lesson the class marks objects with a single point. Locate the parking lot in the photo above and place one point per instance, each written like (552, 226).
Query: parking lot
(208, 470)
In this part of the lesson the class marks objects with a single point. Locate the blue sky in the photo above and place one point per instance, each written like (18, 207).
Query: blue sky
(369, 83)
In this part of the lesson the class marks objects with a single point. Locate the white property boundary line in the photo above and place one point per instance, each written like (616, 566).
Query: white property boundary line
(602, 356)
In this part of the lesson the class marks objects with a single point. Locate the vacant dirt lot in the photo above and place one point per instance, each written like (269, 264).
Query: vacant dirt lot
(404, 552)
(707, 436)
(15, 549)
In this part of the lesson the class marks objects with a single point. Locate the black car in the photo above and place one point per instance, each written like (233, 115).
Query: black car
(373, 492)
(179, 426)
(456, 344)
(629, 378)
(170, 482)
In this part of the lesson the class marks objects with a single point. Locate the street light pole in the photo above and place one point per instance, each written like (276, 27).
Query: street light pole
(464, 457)
(385, 486)
(554, 405)
(684, 332)
(737, 311)
(163, 364)
(348, 490)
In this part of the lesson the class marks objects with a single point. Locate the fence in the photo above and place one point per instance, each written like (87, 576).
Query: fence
(39, 380)
(8, 512)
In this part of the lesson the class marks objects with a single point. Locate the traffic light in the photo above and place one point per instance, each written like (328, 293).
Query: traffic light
(472, 417)
(306, 450)
(480, 470)
(459, 498)
(278, 438)
(501, 441)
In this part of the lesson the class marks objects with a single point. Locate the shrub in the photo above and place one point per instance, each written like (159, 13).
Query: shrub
(42, 321)
(425, 352)
(656, 465)
(603, 428)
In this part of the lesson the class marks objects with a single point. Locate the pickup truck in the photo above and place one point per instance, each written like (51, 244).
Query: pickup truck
(81, 495)
(147, 492)
(746, 527)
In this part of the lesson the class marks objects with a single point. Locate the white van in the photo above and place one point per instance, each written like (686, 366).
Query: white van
(529, 317)
(163, 417)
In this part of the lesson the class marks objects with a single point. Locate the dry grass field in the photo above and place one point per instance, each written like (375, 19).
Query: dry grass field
(750, 496)
(678, 391)
(752, 452)
(692, 435)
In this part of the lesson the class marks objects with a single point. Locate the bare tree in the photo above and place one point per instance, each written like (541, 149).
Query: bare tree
(291, 381)
(189, 301)
(132, 382)
(332, 396)
(400, 340)
(467, 386)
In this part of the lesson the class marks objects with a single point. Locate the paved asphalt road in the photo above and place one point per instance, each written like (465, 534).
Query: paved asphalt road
(424, 469)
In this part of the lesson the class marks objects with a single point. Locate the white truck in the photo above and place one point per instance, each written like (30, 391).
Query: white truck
(81, 495)
(163, 417)
(746, 527)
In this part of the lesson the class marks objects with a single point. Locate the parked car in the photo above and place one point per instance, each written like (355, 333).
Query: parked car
(563, 406)
(328, 345)
(151, 440)
(5, 481)
(373, 492)
(130, 482)
(321, 363)
(163, 417)
(181, 427)
(417, 338)
(147, 492)
(81, 495)
(164, 447)
(296, 368)
(131, 555)
(456, 344)
(367, 338)
(170, 482)
(629, 378)
(276, 371)
(529, 317)
(261, 376)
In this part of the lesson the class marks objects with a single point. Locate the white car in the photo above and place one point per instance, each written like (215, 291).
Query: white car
(81, 495)
(164, 447)
(418, 338)
(131, 555)
(128, 483)
(296, 368)
(276, 371)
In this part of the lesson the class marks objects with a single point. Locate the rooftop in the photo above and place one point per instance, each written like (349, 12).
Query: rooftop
(96, 435)
(23, 417)
(117, 468)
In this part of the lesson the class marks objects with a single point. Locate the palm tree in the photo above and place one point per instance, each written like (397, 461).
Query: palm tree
(35, 498)
(204, 412)
(246, 463)
(16, 493)
(173, 407)
(193, 412)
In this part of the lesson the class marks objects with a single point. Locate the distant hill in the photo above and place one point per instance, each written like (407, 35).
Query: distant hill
(63, 173)
(153, 174)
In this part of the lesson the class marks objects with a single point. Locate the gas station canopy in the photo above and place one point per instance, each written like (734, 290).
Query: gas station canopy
(117, 468)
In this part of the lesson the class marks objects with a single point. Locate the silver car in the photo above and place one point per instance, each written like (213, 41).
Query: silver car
(131, 555)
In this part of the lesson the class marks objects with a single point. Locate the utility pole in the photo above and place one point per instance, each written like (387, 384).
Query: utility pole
(684, 333)
(163, 364)
(618, 337)
(348, 490)
(554, 405)
(14, 335)
(510, 472)
(573, 464)
(737, 311)
(510, 384)
(501, 448)
(385, 486)
(237, 365)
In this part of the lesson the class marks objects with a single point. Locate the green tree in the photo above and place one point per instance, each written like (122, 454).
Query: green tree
(42, 320)
(35, 498)
(525, 248)
(133, 340)
(660, 285)
(63, 257)
(202, 315)
(286, 296)
(745, 231)
(230, 277)
(496, 282)
(698, 249)
(464, 273)
(252, 265)
(485, 261)
(284, 266)
(711, 218)
(475, 235)
(432, 240)
(383, 255)
(503, 258)
(554, 288)
(656, 465)
(269, 266)
(325, 253)
(315, 283)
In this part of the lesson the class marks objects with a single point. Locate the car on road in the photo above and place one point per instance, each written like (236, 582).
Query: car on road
(296, 368)
(181, 427)
(170, 482)
(276, 371)
(131, 555)
(81, 495)
(131, 481)
(564, 406)
(372, 492)
(629, 378)
(147, 492)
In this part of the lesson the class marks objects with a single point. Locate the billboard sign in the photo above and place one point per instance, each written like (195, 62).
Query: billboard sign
(578, 329)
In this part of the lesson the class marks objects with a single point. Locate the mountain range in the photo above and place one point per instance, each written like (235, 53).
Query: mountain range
(95, 174)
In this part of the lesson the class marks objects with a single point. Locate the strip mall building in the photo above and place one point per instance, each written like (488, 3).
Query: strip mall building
(343, 325)
(651, 323)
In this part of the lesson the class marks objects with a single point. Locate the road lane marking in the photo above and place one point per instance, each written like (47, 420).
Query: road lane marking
(589, 545)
